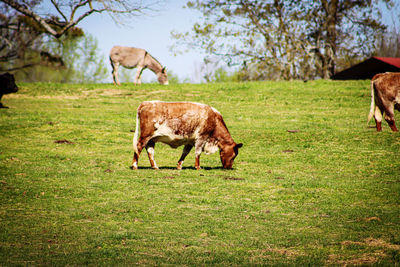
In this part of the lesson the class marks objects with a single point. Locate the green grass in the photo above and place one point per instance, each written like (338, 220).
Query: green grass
(326, 194)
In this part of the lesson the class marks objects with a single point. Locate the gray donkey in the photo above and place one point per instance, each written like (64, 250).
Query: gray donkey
(131, 57)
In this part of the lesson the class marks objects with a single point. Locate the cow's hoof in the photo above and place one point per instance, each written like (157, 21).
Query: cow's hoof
(133, 168)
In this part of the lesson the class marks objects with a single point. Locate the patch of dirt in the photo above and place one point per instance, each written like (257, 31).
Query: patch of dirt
(168, 177)
(372, 219)
(288, 151)
(366, 258)
(64, 141)
(233, 178)
(293, 131)
(372, 242)
(283, 252)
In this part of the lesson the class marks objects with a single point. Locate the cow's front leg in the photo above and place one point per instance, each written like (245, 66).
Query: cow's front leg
(150, 152)
(185, 152)
(199, 148)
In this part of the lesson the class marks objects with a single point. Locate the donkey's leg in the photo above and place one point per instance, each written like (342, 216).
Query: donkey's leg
(138, 74)
(115, 72)
(185, 152)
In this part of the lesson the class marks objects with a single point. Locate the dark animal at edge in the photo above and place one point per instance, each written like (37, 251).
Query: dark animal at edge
(7, 86)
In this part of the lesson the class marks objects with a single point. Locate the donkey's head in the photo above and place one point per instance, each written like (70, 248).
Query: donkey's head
(162, 77)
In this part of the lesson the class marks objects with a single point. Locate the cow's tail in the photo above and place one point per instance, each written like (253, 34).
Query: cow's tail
(135, 136)
(372, 108)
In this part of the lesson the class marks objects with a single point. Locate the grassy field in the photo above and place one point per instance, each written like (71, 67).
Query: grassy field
(312, 185)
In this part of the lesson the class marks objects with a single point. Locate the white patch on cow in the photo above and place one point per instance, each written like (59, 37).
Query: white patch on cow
(210, 147)
(397, 99)
(215, 110)
(166, 135)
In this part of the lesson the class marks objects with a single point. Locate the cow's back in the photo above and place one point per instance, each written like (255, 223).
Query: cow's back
(127, 56)
(176, 120)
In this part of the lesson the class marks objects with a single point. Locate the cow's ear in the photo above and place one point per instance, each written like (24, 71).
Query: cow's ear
(164, 70)
(239, 145)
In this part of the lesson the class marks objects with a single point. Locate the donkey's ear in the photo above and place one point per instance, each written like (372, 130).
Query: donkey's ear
(239, 145)
(164, 70)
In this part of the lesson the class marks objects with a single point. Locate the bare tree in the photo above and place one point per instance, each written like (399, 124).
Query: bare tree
(25, 23)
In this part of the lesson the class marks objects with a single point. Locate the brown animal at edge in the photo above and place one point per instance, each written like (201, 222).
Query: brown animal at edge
(182, 123)
(385, 97)
(131, 57)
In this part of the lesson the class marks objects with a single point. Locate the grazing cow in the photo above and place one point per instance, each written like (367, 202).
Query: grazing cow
(385, 97)
(7, 86)
(182, 123)
(131, 57)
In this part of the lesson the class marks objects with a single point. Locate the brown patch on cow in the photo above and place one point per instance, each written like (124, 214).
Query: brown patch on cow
(233, 178)
(64, 141)
(293, 131)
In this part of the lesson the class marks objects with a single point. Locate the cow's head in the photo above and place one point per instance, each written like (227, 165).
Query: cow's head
(228, 154)
(7, 83)
(162, 77)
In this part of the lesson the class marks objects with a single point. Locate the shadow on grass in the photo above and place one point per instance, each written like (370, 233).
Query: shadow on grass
(183, 168)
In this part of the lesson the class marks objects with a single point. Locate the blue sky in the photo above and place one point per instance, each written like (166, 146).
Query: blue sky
(151, 32)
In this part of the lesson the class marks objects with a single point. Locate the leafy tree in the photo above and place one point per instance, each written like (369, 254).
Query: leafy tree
(284, 39)
(78, 62)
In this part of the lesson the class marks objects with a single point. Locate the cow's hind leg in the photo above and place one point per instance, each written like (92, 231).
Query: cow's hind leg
(185, 152)
(150, 152)
(140, 145)
(378, 118)
(389, 117)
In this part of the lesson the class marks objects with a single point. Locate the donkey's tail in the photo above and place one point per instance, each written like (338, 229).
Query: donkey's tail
(372, 108)
(135, 136)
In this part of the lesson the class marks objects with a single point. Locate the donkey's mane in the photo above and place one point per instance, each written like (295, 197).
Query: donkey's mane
(147, 53)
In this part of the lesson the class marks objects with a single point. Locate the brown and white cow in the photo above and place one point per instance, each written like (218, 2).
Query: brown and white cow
(182, 123)
(385, 97)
